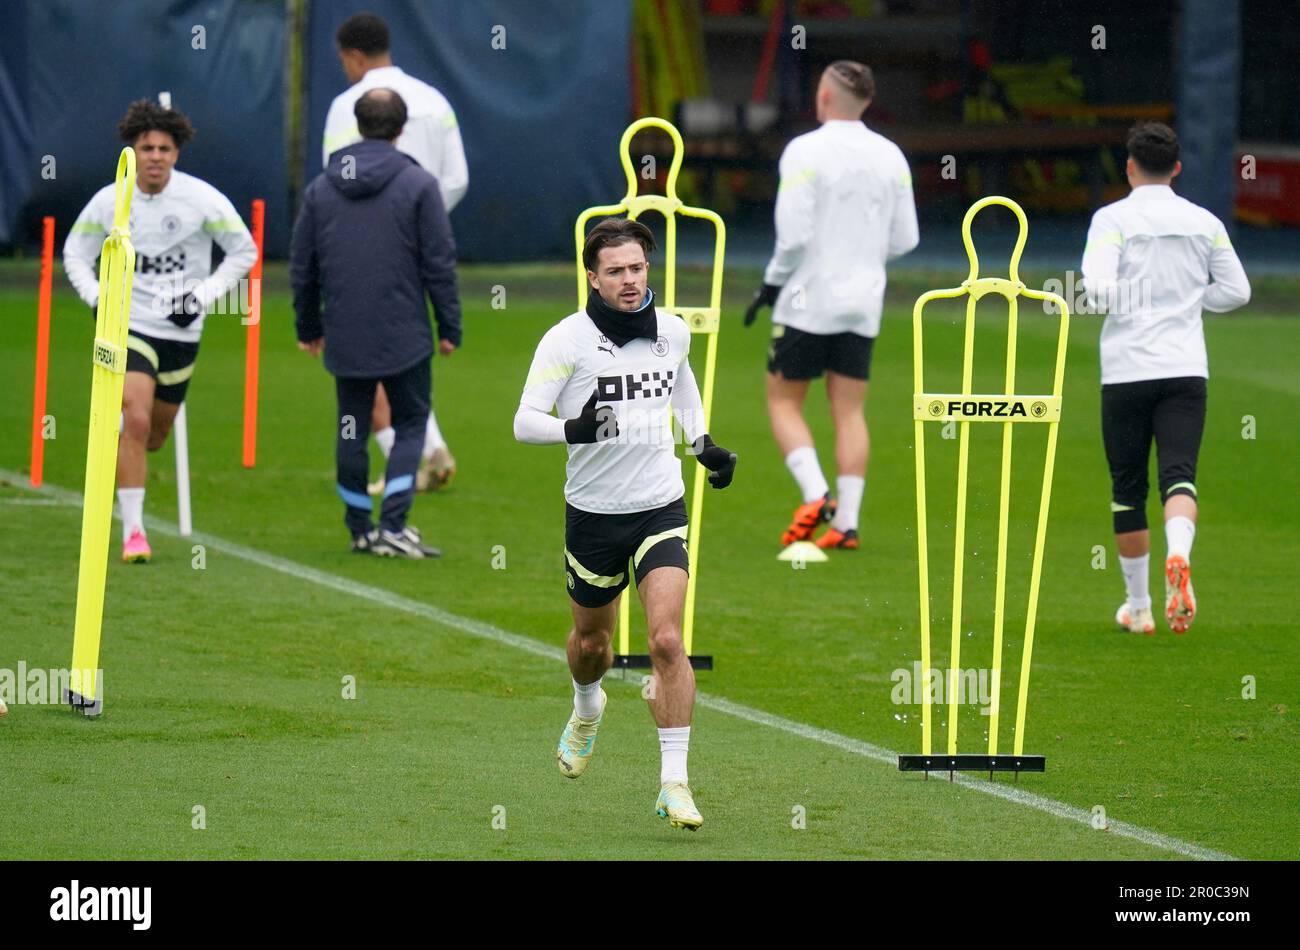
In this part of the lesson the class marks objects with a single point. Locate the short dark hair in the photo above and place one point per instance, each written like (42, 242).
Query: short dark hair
(365, 32)
(380, 113)
(145, 115)
(1154, 146)
(611, 232)
(857, 78)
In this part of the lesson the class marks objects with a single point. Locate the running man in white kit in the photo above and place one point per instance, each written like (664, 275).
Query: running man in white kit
(617, 372)
(1153, 262)
(844, 208)
(175, 220)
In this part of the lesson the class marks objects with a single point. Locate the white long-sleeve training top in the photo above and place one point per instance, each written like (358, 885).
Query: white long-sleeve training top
(642, 381)
(173, 232)
(431, 136)
(844, 208)
(1153, 261)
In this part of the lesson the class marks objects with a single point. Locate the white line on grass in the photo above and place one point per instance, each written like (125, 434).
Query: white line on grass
(495, 634)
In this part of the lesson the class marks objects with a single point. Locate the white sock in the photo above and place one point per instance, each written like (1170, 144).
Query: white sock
(673, 744)
(848, 492)
(433, 439)
(1137, 572)
(131, 501)
(1179, 533)
(807, 471)
(586, 699)
(386, 437)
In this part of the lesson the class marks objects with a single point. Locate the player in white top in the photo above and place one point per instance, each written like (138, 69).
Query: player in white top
(1153, 262)
(844, 208)
(618, 372)
(432, 137)
(175, 219)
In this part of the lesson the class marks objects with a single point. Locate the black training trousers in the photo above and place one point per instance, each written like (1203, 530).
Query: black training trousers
(1171, 411)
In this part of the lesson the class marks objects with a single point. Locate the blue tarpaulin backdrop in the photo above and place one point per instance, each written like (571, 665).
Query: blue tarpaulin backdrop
(15, 124)
(541, 118)
(85, 66)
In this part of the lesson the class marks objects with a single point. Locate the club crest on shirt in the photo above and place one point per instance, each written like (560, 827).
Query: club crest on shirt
(171, 224)
(660, 346)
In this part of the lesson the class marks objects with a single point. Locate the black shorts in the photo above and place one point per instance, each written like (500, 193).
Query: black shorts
(169, 362)
(1171, 411)
(597, 549)
(797, 354)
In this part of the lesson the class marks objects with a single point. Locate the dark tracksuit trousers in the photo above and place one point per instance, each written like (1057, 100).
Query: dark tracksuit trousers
(408, 394)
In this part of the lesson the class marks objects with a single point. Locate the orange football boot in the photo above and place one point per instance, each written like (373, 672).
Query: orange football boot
(806, 519)
(1180, 601)
(834, 538)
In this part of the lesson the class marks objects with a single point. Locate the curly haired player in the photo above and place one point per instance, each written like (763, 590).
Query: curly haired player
(175, 219)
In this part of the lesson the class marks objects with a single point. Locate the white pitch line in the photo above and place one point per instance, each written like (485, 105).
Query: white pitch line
(487, 631)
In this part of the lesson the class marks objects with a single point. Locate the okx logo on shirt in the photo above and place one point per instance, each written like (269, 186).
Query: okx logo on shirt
(645, 385)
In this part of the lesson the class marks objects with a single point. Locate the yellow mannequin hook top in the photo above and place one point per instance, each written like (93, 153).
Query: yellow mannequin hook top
(973, 257)
(629, 170)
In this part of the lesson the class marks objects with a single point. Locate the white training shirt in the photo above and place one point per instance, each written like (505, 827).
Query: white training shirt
(172, 232)
(431, 135)
(1148, 265)
(844, 208)
(646, 382)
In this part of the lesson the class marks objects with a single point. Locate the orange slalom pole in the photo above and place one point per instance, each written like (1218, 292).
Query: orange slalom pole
(42, 351)
(251, 350)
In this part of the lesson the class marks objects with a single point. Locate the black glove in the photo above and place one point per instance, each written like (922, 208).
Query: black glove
(185, 310)
(719, 461)
(592, 424)
(763, 297)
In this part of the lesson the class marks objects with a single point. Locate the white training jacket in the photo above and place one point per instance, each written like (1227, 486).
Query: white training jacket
(173, 232)
(646, 382)
(1153, 261)
(431, 136)
(844, 208)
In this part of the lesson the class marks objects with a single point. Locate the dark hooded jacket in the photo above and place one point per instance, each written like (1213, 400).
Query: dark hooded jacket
(371, 240)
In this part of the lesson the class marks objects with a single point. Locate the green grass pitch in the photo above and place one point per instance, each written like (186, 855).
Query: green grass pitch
(225, 684)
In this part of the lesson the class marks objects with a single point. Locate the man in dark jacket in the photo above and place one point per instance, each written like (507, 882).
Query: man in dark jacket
(373, 238)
